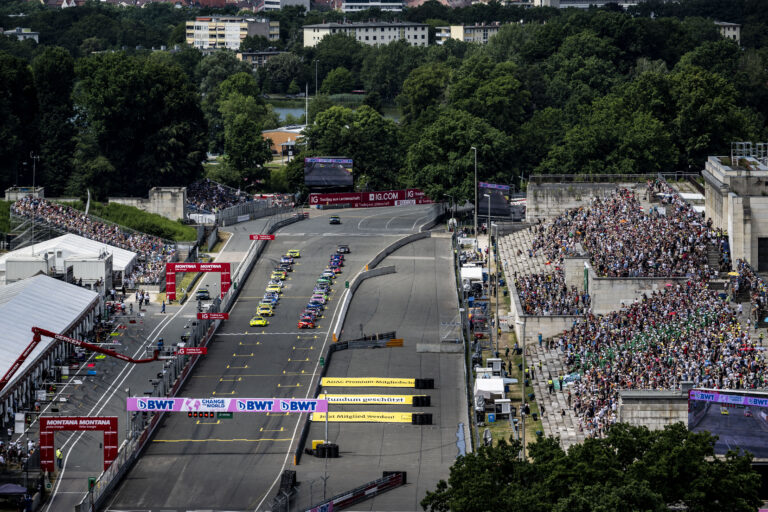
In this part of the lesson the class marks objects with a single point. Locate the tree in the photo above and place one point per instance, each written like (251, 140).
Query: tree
(293, 88)
(385, 68)
(54, 75)
(18, 117)
(246, 151)
(211, 72)
(337, 81)
(632, 469)
(441, 161)
(339, 51)
(282, 70)
(142, 118)
(255, 43)
(423, 91)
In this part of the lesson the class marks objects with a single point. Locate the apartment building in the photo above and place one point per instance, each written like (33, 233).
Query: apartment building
(729, 30)
(257, 59)
(276, 5)
(372, 33)
(212, 32)
(477, 33)
(361, 5)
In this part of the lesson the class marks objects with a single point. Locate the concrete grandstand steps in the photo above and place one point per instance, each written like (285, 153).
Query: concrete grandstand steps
(554, 423)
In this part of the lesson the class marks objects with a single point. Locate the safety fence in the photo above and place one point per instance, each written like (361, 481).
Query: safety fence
(390, 480)
(249, 210)
(177, 371)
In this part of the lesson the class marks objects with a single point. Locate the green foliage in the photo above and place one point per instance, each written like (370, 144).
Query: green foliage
(140, 126)
(337, 81)
(139, 220)
(18, 116)
(632, 469)
(5, 216)
(283, 69)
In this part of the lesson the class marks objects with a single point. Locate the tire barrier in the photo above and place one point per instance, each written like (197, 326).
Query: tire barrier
(390, 480)
(424, 384)
(422, 400)
(421, 418)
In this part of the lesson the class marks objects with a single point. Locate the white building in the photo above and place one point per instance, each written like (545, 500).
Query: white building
(372, 34)
(22, 34)
(729, 30)
(477, 33)
(213, 32)
(361, 5)
(276, 5)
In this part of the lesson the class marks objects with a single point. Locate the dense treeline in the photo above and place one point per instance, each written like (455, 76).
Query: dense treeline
(556, 91)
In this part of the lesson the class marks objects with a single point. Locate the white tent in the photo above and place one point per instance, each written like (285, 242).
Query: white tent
(489, 388)
(471, 274)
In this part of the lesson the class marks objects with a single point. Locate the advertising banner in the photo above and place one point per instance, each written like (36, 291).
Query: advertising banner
(213, 316)
(371, 382)
(410, 196)
(713, 396)
(262, 237)
(368, 399)
(172, 268)
(153, 404)
(51, 424)
(365, 417)
(192, 351)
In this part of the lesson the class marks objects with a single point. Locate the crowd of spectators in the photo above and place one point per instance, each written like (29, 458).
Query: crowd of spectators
(210, 197)
(747, 280)
(153, 252)
(684, 333)
(547, 294)
(624, 240)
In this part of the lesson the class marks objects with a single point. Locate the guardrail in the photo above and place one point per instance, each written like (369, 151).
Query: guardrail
(200, 335)
(390, 480)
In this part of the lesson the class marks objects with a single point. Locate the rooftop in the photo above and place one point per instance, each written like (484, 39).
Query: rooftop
(364, 24)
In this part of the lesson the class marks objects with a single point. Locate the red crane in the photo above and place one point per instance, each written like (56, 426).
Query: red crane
(38, 336)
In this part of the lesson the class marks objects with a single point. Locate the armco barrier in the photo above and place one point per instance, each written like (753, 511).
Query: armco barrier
(390, 480)
(132, 449)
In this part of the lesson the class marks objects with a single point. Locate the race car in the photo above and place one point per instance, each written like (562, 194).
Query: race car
(278, 274)
(321, 293)
(274, 288)
(315, 306)
(324, 281)
(334, 219)
(330, 274)
(306, 324)
(342, 249)
(334, 269)
(276, 282)
(294, 253)
(265, 310)
(270, 298)
(724, 411)
(287, 267)
(747, 413)
(258, 321)
(286, 259)
(318, 298)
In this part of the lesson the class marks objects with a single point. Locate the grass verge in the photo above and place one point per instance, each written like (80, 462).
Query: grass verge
(140, 220)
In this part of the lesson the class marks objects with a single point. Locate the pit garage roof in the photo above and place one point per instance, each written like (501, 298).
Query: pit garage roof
(38, 301)
(122, 259)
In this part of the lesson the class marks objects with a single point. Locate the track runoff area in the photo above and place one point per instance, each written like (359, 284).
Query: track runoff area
(275, 360)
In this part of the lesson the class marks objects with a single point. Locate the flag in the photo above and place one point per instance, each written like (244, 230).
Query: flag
(88, 204)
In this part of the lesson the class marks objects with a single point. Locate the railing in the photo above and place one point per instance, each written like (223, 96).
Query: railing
(609, 178)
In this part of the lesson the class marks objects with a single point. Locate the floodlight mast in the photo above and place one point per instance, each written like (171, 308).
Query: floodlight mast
(37, 338)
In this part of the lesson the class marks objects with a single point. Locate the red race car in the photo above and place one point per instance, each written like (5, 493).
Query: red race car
(306, 323)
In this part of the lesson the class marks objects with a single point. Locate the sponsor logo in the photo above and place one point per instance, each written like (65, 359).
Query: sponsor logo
(760, 402)
(154, 404)
(298, 405)
(707, 397)
(254, 405)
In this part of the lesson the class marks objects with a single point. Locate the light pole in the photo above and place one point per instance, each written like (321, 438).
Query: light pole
(522, 380)
(473, 148)
(316, 61)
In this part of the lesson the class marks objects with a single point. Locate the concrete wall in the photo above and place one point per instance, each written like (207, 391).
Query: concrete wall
(573, 268)
(652, 409)
(532, 326)
(547, 200)
(170, 202)
(608, 293)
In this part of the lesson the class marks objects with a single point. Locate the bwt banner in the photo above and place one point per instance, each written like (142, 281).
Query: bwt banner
(713, 396)
(410, 196)
(227, 405)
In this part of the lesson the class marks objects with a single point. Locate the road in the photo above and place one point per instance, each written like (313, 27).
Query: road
(104, 392)
(418, 301)
(233, 464)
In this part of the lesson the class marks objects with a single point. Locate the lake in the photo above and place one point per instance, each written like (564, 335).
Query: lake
(284, 108)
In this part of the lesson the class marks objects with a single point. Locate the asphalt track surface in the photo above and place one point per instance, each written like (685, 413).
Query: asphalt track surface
(233, 464)
(417, 301)
(736, 431)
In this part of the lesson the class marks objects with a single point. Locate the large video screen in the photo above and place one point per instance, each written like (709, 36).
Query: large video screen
(499, 199)
(740, 419)
(328, 172)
